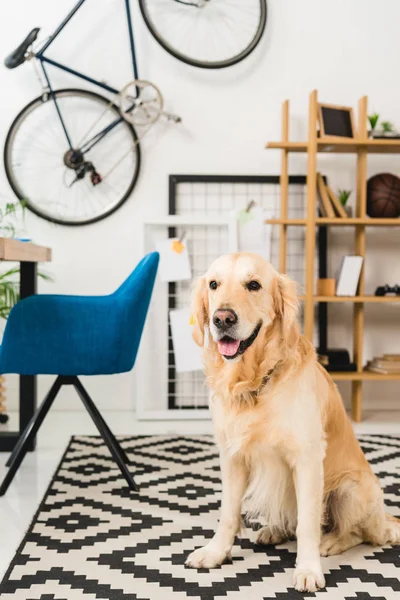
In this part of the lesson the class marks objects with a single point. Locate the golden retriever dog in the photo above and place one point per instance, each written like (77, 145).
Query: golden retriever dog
(288, 451)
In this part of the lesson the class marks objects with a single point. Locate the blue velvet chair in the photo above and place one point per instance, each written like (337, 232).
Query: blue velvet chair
(69, 336)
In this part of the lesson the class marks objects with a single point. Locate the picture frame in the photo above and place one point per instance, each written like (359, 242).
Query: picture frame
(336, 121)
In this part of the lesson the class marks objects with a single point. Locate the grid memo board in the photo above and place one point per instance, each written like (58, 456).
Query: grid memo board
(217, 195)
(202, 197)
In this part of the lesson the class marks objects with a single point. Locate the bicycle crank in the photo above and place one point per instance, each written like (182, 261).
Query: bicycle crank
(140, 102)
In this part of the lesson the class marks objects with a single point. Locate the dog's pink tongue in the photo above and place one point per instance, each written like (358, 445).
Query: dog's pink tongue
(228, 348)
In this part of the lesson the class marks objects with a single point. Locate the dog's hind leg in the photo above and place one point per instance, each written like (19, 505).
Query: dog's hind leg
(334, 543)
(393, 529)
(382, 528)
(357, 514)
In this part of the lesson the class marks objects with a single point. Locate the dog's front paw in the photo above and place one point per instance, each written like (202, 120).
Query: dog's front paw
(207, 557)
(308, 580)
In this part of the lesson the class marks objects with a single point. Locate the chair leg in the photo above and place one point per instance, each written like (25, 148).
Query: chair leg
(81, 390)
(105, 432)
(27, 435)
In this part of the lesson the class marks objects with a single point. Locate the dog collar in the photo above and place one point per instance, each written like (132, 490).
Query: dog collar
(264, 382)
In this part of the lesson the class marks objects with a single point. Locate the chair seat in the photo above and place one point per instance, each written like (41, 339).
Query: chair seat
(63, 335)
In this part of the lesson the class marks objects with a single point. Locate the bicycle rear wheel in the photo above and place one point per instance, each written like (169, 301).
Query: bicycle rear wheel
(211, 34)
(38, 163)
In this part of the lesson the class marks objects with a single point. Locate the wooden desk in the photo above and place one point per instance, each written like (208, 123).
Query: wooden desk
(28, 255)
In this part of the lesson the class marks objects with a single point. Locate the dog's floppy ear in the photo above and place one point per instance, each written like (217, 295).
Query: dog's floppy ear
(286, 306)
(199, 310)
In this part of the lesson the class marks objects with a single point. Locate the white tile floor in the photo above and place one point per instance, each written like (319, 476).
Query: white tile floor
(18, 506)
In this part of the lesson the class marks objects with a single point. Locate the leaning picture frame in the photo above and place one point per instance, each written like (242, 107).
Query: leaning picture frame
(336, 121)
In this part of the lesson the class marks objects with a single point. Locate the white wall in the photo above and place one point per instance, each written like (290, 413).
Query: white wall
(344, 48)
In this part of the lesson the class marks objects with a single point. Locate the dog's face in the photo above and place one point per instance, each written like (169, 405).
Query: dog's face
(239, 297)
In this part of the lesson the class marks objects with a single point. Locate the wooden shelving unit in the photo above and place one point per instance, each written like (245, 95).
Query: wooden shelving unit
(361, 146)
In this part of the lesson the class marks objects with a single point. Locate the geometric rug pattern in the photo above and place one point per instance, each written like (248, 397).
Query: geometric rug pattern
(93, 538)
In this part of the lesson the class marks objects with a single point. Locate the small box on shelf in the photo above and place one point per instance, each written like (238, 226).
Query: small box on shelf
(326, 287)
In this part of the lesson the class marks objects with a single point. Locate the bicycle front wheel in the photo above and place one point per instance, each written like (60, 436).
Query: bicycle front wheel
(43, 170)
(210, 34)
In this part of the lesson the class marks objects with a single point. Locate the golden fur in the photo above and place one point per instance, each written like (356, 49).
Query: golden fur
(288, 451)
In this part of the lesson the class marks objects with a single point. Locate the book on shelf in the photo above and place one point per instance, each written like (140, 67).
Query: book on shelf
(395, 357)
(337, 205)
(382, 370)
(386, 364)
(349, 276)
(323, 198)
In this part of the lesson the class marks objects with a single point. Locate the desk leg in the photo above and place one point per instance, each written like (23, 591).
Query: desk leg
(27, 383)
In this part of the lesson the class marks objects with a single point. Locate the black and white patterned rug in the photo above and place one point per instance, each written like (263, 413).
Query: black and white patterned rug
(91, 538)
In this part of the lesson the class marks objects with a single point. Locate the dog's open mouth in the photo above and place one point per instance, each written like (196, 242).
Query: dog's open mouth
(231, 348)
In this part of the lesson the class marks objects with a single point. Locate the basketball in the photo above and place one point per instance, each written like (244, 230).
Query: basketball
(383, 196)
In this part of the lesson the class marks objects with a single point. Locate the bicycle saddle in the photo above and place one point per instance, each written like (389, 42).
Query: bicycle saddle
(17, 57)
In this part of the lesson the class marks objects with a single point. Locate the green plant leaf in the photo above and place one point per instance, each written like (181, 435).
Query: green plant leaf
(387, 126)
(9, 296)
(9, 273)
(9, 289)
(373, 120)
(343, 196)
(45, 276)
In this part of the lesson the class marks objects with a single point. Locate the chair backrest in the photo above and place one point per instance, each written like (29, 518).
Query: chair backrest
(133, 298)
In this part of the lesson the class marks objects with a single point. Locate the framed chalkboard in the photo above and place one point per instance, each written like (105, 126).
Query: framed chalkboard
(336, 121)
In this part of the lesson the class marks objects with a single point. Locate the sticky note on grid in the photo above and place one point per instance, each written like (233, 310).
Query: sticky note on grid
(174, 266)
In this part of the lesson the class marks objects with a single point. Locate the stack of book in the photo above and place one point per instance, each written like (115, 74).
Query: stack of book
(329, 203)
(388, 364)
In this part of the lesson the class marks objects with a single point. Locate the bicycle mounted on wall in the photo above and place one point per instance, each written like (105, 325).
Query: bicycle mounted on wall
(72, 173)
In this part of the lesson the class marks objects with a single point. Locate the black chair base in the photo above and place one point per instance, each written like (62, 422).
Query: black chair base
(34, 424)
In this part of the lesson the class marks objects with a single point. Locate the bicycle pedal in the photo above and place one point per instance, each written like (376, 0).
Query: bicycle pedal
(173, 118)
(95, 178)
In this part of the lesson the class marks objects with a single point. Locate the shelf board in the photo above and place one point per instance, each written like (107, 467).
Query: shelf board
(372, 222)
(363, 376)
(339, 221)
(342, 146)
(286, 221)
(359, 299)
(289, 146)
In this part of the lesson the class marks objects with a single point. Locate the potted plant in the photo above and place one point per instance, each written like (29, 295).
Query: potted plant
(373, 121)
(387, 128)
(343, 196)
(9, 281)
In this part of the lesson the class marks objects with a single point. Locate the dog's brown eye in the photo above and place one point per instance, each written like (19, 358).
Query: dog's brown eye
(253, 286)
(213, 285)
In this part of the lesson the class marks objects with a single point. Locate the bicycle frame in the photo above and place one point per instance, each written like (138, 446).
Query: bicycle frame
(45, 60)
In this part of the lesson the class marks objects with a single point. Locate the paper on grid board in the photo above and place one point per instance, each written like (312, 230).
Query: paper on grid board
(174, 266)
(187, 353)
(253, 235)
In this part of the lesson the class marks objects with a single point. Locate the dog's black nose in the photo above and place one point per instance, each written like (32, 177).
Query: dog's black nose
(224, 318)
